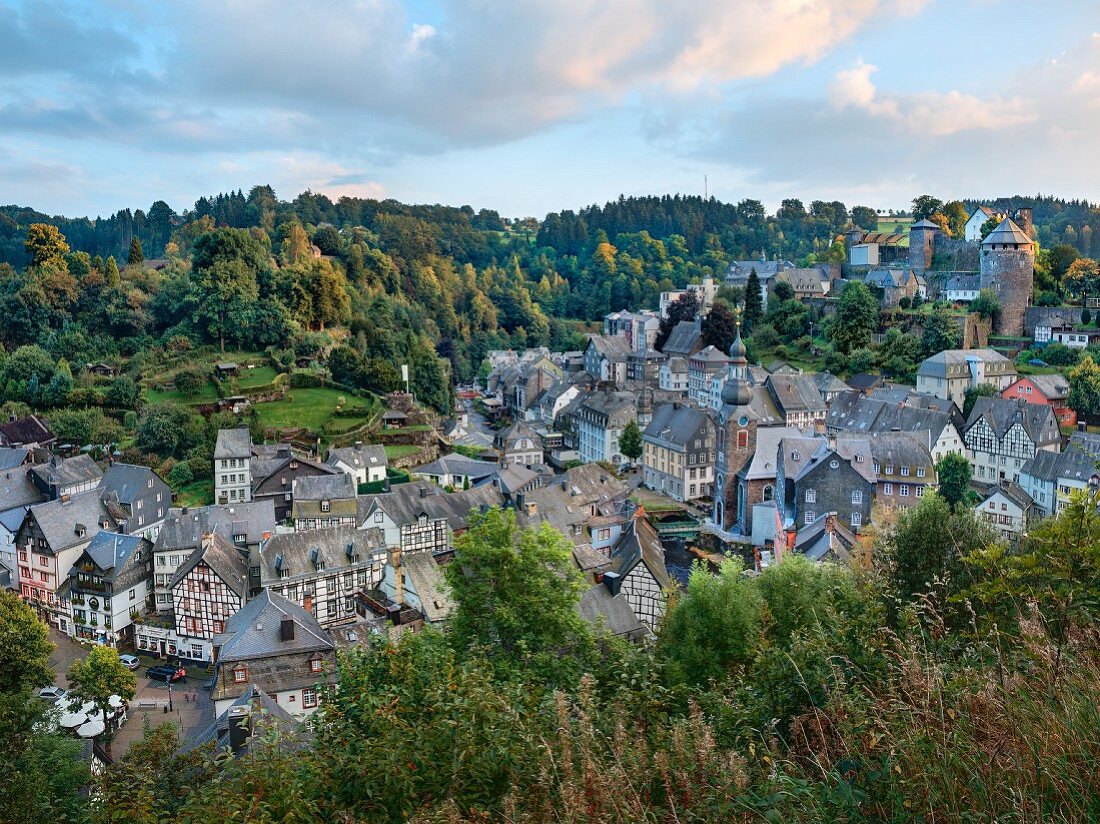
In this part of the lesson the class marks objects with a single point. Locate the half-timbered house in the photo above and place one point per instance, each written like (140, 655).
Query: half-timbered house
(207, 591)
(110, 586)
(638, 571)
(1002, 435)
(321, 569)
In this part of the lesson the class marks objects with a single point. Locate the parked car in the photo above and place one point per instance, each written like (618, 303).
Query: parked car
(53, 693)
(163, 673)
(1037, 362)
(131, 662)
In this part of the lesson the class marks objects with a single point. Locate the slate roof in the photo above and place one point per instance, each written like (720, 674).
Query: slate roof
(711, 355)
(924, 224)
(456, 464)
(1072, 464)
(12, 457)
(254, 632)
(222, 557)
(518, 430)
(1053, 387)
(853, 412)
(60, 520)
(862, 381)
(1037, 419)
(363, 456)
(588, 559)
(266, 716)
(613, 347)
(935, 366)
(850, 450)
(233, 443)
(676, 424)
(17, 489)
(324, 487)
(514, 477)
(182, 529)
(819, 544)
(683, 340)
(795, 393)
(1044, 464)
(887, 278)
(566, 503)
(128, 483)
(66, 472)
(599, 607)
(1006, 233)
(405, 503)
(897, 449)
(762, 464)
(964, 283)
(828, 383)
(639, 543)
(1013, 492)
(426, 578)
(677, 364)
(110, 551)
(332, 547)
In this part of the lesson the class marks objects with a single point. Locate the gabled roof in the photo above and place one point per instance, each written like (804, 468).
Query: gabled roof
(818, 542)
(1053, 387)
(324, 487)
(128, 483)
(222, 557)
(935, 366)
(610, 346)
(599, 607)
(1038, 420)
(567, 502)
(964, 283)
(66, 472)
(711, 356)
(676, 424)
(61, 521)
(17, 489)
(184, 528)
(640, 544)
(795, 393)
(426, 579)
(28, 430)
(12, 457)
(924, 224)
(407, 502)
(254, 631)
(233, 443)
(1013, 493)
(862, 381)
(110, 551)
(315, 549)
(266, 715)
(362, 456)
(827, 382)
(683, 340)
(457, 464)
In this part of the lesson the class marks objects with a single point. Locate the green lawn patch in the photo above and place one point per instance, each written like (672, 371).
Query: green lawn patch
(196, 493)
(309, 408)
(259, 376)
(396, 451)
(207, 394)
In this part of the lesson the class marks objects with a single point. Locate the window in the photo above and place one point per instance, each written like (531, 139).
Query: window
(920, 491)
(810, 517)
(904, 471)
(857, 496)
(857, 519)
(284, 573)
(903, 490)
(315, 665)
(920, 471)
(605, 535)
(42, 560)
(309, 698)
(133, 595)
(160, 560)
(811, 496)
(325, 506)
(239, 675)
(378, 517)
(887, 489)
(175, 560)
(889, 469)
(875, 467)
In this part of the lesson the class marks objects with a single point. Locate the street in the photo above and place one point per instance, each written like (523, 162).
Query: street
(192, 708)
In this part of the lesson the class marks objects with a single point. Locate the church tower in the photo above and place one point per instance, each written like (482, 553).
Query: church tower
(1008, 268)
(736, 427)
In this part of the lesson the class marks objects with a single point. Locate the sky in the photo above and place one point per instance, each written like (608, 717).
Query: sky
(530, 106)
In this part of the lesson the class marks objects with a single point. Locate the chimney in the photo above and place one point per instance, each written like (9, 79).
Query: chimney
(832, 442)
(398, 577)
(830, 523)
(240, 727)
(423, 492)
(185, 510)
(1082, 426)
(612, 580)
(307, 605)
(286, 629)
(359, 445)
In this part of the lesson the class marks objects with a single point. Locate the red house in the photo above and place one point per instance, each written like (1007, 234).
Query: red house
(1050, 390)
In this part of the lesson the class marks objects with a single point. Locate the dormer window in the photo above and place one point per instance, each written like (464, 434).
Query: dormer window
(240, 674)
(325, 506)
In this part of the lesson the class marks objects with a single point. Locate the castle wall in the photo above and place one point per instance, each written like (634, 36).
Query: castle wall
(921, 243)
(956, 254)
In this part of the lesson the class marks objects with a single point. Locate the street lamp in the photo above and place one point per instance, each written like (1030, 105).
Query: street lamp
(168, 678)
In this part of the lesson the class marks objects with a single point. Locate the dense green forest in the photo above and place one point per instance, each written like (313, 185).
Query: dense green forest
(944, 676)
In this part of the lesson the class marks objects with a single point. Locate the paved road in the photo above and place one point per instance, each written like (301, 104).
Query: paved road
(192, 707)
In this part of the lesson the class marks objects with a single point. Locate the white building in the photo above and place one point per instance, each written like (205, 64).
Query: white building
(950, 373)
(1002, 435)
(233, 466)
(367, 464)
(1008, 508)
(110, 586)
(673, 375)
(600, 422)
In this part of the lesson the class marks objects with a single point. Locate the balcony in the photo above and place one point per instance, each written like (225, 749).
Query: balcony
(89, 585)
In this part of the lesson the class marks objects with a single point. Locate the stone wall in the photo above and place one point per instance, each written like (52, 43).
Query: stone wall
(955, 254)
(1010, 273)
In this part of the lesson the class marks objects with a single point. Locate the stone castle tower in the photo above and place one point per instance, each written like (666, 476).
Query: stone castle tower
(1008, 268)
(736, 426)
(922, 243)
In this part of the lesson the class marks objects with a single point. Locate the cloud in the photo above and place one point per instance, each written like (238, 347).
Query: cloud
(867, 144)
(929, 112)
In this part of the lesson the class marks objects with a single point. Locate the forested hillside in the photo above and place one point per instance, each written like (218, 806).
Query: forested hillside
(400, 283)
